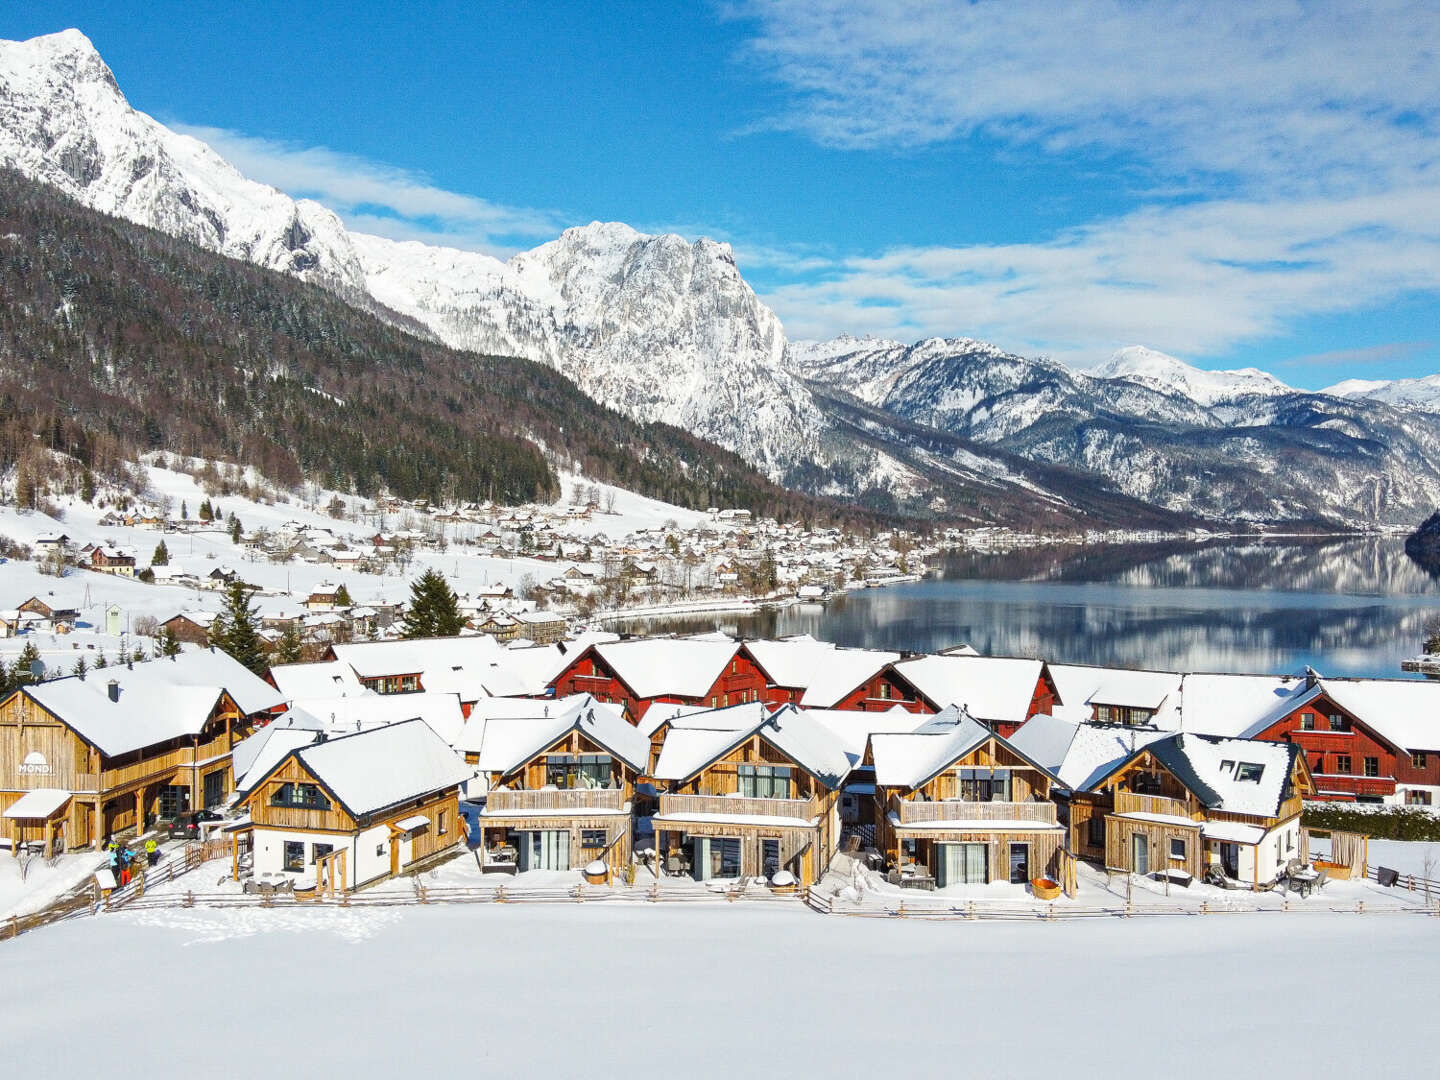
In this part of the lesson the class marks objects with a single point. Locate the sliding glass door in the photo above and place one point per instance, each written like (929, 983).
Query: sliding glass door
(961, 864)
(715, 857)
(545, 849)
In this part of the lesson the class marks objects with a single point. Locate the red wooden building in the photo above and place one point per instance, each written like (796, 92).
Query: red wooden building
(685, 671)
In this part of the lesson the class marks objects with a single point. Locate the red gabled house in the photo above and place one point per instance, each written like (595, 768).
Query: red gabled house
(684, 671)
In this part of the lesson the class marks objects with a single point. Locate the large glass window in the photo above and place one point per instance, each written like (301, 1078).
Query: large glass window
(577, 770)
(294, 855)
(765, 781)
(300, 797)
(983, 785)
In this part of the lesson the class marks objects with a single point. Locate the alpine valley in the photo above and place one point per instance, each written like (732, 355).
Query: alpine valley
(667, 332)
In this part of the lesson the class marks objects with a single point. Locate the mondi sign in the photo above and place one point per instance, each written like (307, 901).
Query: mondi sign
(35, 764)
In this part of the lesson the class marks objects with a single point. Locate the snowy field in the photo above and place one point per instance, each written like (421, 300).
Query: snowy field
(722, 990)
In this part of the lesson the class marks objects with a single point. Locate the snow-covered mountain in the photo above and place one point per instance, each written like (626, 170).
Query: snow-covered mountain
(655, 326)
(1422, 394)
(1169, 375)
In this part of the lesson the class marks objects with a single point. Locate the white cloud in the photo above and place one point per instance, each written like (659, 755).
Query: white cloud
(1303, 138)
(374, 197)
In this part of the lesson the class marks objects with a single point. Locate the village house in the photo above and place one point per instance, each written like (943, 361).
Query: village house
(113, 560)
(560, 785)
(750, 803)
(124, 746)
(1117, 695)
(324, 597)
(817, 674)
(192, 627)
(687, 671)
(53, 615)
(1001, 692)
(958, 804)
(340, 812)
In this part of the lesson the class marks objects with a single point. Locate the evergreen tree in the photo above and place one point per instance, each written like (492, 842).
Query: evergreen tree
(80, 669)
(234, 528)
(342, 597)
(184, 511)
(161, 556)
(287, 649)
(87, 486)
(20, 674)
(205, 512)
(236, 630)
(434, 610)
(166, 643)
(100, 660)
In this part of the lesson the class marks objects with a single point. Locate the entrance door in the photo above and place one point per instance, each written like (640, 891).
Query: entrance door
(545, 849)
(174, 800)
(715, 857)
(1140, 853)
(769, 857)
(1230, 859)
(1019, 864)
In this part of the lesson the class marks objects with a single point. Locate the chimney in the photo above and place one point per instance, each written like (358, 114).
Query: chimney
(113, 686)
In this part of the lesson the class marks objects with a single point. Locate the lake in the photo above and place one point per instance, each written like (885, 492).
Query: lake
(1352, 606)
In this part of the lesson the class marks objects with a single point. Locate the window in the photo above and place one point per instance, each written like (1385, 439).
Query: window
(1145, 783)
(1177, 848)
(1095, 834)
(769, 857)
(1249, 772)
(1227, 766)
(1342, 764)
(442, 826)
(1307, 721)
(1372, 766)
(982, 785)
(294, 856)
(590, 839)
(1338, 722)
(765, 781)
(567, 771)
(884, 691)
(380, 851)
(725, 700)
(1019, 864)
(319, 851)
(1418, 760)
(214, 788)
(300, 797)
(1417, 798)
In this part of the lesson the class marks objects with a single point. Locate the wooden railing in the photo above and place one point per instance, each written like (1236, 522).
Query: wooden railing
(731, 806)
(1127, 802)
(577, 799)
(913, 812)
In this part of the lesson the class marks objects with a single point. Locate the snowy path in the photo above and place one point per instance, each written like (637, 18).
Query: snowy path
(487, 990)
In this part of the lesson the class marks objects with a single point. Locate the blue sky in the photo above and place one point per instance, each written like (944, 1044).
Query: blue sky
(1257, 185)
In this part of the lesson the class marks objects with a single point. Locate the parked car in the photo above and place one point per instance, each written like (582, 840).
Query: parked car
(187, 826)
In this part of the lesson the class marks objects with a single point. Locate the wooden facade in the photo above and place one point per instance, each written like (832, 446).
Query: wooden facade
(597, 821)
(882, 692)
(1349, 760)
(799, 833)
(914, 825)
(114, 794)
(740, 681)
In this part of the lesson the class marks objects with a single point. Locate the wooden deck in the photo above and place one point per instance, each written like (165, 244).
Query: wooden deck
(578, 800)
(916, 813)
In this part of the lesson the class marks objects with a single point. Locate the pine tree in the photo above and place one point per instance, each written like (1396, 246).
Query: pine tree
(342, 597)
(184, 511)
(234, 529)
(287, 649)
(161, 556)
(236, 631)
(100, 660)
(205, 512)
(434, 610)
(21, 674)
(87, 486)
(80, 669)
(166, 643)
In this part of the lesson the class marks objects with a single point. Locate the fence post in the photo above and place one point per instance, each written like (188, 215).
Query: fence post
(500, 893)
(1204, 907)
(1359, 907)
(970, 910)
(580, 892)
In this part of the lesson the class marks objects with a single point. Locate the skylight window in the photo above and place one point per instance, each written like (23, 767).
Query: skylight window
(1250, 771)
(1227, 765)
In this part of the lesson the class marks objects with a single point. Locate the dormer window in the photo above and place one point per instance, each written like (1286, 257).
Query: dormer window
(1227, 766)
(1249, 771)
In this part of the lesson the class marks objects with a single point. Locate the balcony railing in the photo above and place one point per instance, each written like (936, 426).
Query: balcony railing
(916, 813)
(1127, 802)
(735, 806)
(576, 799)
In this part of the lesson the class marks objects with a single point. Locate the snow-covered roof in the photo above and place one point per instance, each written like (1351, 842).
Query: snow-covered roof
(909, 759)
(826, 673)
(504, 743)
(1233, 831)
(1080, 754)
(376, 659)
(995, 689)
(802, 739)
(1406, 712)
(1085, 685)
(1238, 776)
(344, 715)
(156, 701)
(254, 757)
(682, 666)
(852, 730)
(1236, 705)
(384, 766)
(38, 803)
(328, 678)
(742, 717)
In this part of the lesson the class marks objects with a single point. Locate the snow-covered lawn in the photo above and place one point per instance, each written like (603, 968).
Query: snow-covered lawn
(41, 884)
(724, 990)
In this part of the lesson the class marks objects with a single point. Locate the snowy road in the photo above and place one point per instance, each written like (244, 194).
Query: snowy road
(724, 991)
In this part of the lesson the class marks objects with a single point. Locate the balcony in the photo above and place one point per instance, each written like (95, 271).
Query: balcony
(918, 813)
(570, 800)
(730, 806)
(1127, 802)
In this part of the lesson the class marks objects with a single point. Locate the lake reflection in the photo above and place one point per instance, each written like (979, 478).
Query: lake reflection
(1344, 607)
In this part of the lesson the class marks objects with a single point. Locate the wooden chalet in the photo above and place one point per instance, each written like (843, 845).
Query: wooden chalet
(1183, 802)
(818, 675)
(958, 804)
(108, 560)
(192, 628)
(684, 671)
(561, 785)
(750, 803)
(55, 616)
(115, 750)
(340, 812)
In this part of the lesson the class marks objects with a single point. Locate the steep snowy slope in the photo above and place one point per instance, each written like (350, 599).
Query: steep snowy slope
(64, 121)
(1171, 376)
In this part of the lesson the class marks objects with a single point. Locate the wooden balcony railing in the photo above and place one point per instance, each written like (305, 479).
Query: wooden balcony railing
(577, 799)
(914, 813)
(1127, 802)
(733, 806)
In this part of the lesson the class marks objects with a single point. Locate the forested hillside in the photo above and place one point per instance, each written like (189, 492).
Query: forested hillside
(116, 339)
